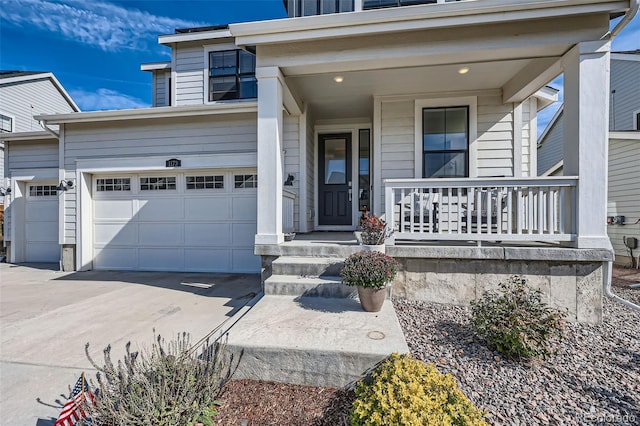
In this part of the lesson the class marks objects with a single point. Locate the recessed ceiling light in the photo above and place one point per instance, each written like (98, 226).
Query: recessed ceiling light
(463, 70)
(338, 79)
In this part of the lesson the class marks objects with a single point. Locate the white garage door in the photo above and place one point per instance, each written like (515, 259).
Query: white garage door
(41, 224)
(196, 221)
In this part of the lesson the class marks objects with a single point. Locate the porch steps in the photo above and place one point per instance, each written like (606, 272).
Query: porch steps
(307, 276)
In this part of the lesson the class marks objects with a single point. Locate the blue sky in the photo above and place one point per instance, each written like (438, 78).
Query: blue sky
(95, 47)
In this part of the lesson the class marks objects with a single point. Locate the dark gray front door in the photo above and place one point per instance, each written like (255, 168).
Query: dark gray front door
(334, 179)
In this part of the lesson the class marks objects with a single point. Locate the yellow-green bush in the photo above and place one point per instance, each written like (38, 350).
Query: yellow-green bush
(409, 392)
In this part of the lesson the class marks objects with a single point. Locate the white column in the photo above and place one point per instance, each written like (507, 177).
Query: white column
(586, 132)
(269, 156)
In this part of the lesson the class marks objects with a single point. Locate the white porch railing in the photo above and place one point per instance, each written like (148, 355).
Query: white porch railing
(494, 209)
(288, 202)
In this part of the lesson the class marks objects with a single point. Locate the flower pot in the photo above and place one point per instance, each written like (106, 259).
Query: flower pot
(379, 247)
(371, 298)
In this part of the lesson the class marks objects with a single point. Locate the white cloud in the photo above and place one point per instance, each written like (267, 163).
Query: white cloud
(105, 99)
(110, 27)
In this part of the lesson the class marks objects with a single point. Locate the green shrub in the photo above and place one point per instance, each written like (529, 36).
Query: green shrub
(170, 384)
(516, 322)
(407, 392)
(369, 269)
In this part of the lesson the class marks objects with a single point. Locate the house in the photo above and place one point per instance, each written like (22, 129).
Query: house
(623, 206)
(423, 113)
(24, 95)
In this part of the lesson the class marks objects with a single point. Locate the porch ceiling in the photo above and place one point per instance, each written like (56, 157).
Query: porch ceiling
(354, 96)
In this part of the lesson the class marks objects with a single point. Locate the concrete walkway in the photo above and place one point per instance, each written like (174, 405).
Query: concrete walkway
(46, 317)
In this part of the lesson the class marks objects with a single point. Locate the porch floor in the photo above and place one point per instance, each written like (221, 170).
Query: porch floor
(313, 340)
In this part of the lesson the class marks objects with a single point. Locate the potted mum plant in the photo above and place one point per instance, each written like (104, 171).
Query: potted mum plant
(373, 232)
(371, 272)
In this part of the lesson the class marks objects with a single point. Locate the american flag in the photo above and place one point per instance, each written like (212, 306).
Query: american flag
(72, 410)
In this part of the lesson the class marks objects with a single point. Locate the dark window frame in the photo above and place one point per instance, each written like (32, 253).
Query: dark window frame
(446, 151)
(238, 75)
(9, 119)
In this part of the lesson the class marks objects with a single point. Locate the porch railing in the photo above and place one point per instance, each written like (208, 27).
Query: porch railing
(288, 201)
(494, 209)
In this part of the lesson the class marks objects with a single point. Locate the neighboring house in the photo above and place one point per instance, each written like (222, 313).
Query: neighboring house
(23, 96)
(624, 153)
(424, 114)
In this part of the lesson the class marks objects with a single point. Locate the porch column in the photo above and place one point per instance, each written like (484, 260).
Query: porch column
(586, 131)
(270, 95)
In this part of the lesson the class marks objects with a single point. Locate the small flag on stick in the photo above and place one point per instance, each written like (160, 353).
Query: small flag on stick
(72, 410)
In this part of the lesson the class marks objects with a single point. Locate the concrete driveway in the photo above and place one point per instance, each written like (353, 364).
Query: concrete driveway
(46, 317)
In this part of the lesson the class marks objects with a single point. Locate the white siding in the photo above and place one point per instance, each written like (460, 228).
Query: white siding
(23, 100)
(189, 72)
(194, 135)
(291, 144)
(526, 154)
(624, 192)
(625, 80)
(495, 137)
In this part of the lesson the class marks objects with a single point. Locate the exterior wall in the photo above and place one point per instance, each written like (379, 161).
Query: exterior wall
(194, 135)
(189, 75)
(495, 154)
(624, 80)
(291, 144)
(551, 147)
(529, 137)
(16, 100)
(571, 285)
(310, 166)
(160, 88)
(624, 194)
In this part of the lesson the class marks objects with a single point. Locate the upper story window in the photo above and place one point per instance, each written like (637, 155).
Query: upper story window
(637, 120)
(297, 8)
(6, 124)
(445, 142)
(232, 75)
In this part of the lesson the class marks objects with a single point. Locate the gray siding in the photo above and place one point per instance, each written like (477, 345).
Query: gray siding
(551, 147)
(17, 100)
(494, 141)
(193, 135)
(36, 155)
(161, 88)
(189, 68)
(291, 142)
(624, 192)
(625, 80)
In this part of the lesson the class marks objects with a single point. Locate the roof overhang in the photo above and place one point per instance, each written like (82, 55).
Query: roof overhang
(27, 136)
(546, 96)
(169, 39)
(152, 113)
(631, 135)
(50, 76)
(155, 66)
(635, 57)
(418, 17)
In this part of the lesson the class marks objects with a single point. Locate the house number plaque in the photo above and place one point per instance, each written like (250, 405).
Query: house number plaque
(174, 162)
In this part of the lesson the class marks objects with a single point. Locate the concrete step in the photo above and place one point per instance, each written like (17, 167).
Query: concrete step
(308, 249)
(307, 266)
(312, 340)
(291, 285)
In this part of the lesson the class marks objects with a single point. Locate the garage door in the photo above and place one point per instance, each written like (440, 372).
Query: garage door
(196, 221)
(41, 224)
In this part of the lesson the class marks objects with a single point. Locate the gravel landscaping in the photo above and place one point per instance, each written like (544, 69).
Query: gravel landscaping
(594, 380)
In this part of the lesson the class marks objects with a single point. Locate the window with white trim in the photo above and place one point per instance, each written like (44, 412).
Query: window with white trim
(113, 184)
(6, 124)
(157, 183)
(43, 190)
(205, 182)
(445, 142)
(245, 181)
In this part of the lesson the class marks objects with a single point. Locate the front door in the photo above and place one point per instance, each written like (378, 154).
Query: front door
(334, 179)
